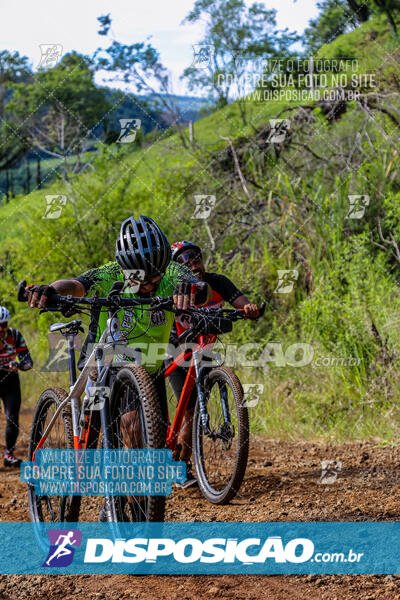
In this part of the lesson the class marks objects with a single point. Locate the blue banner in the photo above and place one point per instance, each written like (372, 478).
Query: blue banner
(200, 548)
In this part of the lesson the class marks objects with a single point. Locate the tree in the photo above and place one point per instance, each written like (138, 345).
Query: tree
(389, 8)
(360, 9)
(335, 18)
(339, 16)
(61, 107)
(140, 65)
(363, 10)
(236, 37)
(13, 143)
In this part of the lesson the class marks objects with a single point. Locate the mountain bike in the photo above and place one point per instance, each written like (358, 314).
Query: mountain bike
(63, 421)
(221, 423)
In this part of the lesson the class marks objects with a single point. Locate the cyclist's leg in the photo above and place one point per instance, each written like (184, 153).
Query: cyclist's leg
(177, 379)
(11, 394)
(130, 423)
(185, 434)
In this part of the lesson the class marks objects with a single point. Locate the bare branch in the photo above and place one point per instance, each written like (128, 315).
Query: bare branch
(212, 241)
(237, 165)
(391, 242)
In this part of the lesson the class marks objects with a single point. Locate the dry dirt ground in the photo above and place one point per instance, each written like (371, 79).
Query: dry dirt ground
(280, 485)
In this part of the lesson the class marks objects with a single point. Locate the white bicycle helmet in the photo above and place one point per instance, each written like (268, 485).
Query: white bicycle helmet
(4, 314)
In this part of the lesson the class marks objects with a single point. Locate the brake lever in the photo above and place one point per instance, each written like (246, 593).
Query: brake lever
(162, 303)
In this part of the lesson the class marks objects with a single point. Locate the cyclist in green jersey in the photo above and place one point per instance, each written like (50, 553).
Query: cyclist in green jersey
(143, 260)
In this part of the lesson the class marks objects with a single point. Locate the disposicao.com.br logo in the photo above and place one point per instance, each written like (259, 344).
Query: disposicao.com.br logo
(213, 550)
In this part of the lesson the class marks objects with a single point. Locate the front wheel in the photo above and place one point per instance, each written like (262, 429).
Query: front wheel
(136, 422)
(220, 457)
(52, 509)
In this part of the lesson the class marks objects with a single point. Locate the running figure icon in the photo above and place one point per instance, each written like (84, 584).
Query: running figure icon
(60, 552)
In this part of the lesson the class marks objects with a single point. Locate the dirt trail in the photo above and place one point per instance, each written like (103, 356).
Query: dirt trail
(280, 485)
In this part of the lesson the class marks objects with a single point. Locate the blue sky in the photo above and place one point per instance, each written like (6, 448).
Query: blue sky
(25, 24)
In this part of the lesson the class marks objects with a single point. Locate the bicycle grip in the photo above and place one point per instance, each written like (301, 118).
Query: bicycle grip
(21, 291)
(262, 309)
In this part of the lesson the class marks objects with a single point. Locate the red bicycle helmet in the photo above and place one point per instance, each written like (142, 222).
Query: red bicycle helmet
(178, 247)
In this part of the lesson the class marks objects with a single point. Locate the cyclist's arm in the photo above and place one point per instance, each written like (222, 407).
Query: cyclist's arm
(187, 293)
(250, 309)
(209, 294)
(25, 359)
(73, 287)
(229, 292)
(188, 289)
(205, 295)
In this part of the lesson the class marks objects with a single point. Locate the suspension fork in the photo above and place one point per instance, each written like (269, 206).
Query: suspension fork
(224, 401)
(200, 376)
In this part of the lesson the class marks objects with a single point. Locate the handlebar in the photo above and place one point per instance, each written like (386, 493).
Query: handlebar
(59, 302)
(115, 301)
(234, 314)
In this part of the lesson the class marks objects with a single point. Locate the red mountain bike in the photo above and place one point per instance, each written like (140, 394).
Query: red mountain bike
(221, 422)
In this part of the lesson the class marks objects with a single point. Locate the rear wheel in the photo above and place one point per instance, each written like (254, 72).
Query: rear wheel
(221, 457)
(52, 509)
(136, 422)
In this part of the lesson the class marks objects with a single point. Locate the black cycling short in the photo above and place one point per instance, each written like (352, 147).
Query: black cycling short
(10, 392)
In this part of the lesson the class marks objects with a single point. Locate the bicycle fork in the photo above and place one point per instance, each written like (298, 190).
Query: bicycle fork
(204, 416)
(200, 374)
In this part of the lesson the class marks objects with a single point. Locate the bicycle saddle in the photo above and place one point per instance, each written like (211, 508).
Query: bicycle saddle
(70, 327)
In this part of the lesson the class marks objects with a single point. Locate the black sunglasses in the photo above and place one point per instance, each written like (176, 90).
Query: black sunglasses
(185, 257)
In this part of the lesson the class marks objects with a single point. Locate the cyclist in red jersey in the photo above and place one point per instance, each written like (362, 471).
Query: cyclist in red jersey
(12, 344)
(223, 290)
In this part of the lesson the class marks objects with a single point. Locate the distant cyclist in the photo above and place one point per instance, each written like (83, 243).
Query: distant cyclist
(140, 247)
(189, 254)
(12, 344)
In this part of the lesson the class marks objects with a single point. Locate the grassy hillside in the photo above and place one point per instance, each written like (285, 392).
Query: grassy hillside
(278, 206)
